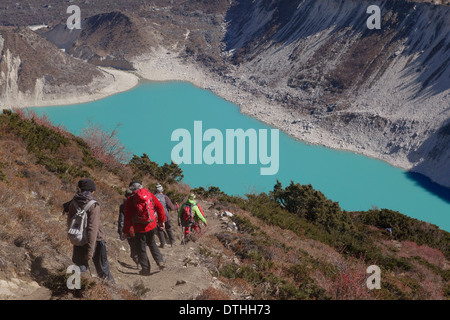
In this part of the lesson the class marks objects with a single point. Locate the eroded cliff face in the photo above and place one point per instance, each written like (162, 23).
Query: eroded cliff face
(384, 93)
(33, 70)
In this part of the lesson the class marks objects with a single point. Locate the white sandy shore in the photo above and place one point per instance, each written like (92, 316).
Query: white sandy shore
(113, 81)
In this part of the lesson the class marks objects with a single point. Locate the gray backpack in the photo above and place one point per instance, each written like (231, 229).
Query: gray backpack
(162, 198)
(77, 233)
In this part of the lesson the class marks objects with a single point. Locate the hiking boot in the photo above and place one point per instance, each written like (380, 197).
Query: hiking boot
(161, 265)
(186, 240)
(162, 245)
(144, 272)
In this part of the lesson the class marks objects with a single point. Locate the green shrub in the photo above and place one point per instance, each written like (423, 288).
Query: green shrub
(64, 170)
(39, 138)
(244, 224)
(168, 172)
(232, 271)
(57, 283)
(43, 141)
(407, 228)
(305, 202)
(211, 192)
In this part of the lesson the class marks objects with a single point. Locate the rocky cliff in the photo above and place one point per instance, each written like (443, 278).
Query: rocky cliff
(384, 93)
(34, 72)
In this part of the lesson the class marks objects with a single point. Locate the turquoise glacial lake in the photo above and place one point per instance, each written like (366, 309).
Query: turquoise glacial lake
(150, 113)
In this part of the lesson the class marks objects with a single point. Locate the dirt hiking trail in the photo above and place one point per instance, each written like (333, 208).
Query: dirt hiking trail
(183, 277)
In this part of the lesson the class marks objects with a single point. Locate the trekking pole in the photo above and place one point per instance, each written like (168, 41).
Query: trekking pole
(180, 227)
(89, 268)
(183, 236)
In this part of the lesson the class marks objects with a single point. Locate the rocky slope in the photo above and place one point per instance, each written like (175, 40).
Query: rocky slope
(384, 93)
(105, 40)
(34, 72)
(251, 249)
(310, 68)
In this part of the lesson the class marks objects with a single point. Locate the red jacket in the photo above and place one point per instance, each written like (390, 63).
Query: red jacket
(139, 227)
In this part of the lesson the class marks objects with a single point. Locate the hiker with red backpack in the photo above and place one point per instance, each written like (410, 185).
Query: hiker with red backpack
(145, 214)
(85, 231)
(189, 216)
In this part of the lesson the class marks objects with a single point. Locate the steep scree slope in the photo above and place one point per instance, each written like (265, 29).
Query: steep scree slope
(384, 93)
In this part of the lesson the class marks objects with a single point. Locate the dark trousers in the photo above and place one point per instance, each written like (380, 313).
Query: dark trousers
(142, 241)
(162, 235)
(133, 250)
(100, 260)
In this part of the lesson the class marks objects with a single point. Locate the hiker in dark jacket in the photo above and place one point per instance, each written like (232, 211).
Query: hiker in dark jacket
(95, 249)
(168, 206)
(145, 233)
(130, 237)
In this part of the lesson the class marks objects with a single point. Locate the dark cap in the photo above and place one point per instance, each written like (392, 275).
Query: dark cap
(86, 185)
(135, 181)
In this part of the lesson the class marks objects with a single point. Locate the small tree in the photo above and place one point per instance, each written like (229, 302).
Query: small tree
(105, 145)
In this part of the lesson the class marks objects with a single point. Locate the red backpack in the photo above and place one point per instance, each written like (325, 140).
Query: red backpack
(188, 215)
(144, 207)
(187, 218)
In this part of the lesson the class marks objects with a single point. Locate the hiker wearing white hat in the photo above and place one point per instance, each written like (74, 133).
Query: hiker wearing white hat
(168, 206)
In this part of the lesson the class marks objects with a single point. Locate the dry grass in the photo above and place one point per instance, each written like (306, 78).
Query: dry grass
(212, 294)
(433, 256)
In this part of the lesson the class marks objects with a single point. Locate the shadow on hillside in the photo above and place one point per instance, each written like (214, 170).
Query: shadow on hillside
(432, 149)
(132, 273)
(255, 25)
(38, 271)
(432, 187)
(127, 265)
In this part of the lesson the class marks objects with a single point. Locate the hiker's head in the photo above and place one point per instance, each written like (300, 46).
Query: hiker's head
(135, 181)
(86, 185)
(135, 185)
(159, 188)
(192, 197)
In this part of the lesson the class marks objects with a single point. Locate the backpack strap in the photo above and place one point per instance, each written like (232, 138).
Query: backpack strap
(89, 205)
(86, 207)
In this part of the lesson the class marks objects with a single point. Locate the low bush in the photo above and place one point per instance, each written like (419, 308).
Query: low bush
(143, 166)
(407, 228)
(2, 175)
